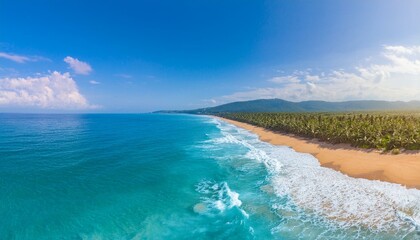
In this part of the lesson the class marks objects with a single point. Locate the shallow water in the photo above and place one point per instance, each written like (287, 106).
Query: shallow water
(154, 176)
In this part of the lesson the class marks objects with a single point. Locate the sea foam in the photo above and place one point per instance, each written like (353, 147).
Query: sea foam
(326, 197)
(217, 198)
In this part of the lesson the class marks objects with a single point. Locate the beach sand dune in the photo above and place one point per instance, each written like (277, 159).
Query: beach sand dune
(403, 168)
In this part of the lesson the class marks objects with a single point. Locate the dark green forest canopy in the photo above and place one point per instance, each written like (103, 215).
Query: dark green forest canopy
(380, 130)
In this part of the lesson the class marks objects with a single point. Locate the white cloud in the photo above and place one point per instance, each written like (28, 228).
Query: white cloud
(20, 58)
(210, 101)
(402, 49)
(78, 66)
(13, 57)
(94, 82)
(284, 79)
(312, 78)
(53, 91)
(397, 77)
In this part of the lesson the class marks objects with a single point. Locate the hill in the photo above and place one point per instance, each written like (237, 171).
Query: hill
(279, 105)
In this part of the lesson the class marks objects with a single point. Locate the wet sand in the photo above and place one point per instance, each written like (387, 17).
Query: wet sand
(403, 168)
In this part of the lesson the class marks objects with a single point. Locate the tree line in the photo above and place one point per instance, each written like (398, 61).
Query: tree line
(384, 131)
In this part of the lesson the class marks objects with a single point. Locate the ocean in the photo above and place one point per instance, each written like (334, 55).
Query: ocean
(162, 176)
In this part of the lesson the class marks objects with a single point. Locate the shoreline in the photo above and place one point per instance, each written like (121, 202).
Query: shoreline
(403, 168)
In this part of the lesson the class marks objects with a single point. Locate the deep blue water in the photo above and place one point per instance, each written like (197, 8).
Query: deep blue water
(152, 176)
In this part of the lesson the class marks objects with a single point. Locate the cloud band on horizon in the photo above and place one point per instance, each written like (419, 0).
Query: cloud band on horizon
(397, 77)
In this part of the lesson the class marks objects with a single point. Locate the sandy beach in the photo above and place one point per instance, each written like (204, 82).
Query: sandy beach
(403, 168)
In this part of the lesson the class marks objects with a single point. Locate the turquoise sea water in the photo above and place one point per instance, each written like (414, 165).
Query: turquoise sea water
(152, 176)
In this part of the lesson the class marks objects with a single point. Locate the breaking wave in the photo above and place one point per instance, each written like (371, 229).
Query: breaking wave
(217, 198)
(308, 194)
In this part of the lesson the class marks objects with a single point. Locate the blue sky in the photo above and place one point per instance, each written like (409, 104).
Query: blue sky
(139, 56)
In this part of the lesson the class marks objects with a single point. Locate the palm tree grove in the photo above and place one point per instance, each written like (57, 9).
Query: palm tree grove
(384, 131)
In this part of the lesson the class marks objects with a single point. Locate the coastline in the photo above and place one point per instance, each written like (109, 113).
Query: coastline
(403, 168)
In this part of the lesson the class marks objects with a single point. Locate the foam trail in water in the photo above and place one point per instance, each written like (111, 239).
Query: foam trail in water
(323, 193)
(217, 198)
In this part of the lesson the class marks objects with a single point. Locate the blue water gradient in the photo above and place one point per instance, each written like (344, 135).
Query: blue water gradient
(156, 176)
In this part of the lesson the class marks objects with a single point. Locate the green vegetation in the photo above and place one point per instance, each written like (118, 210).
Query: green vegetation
(385, 131)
